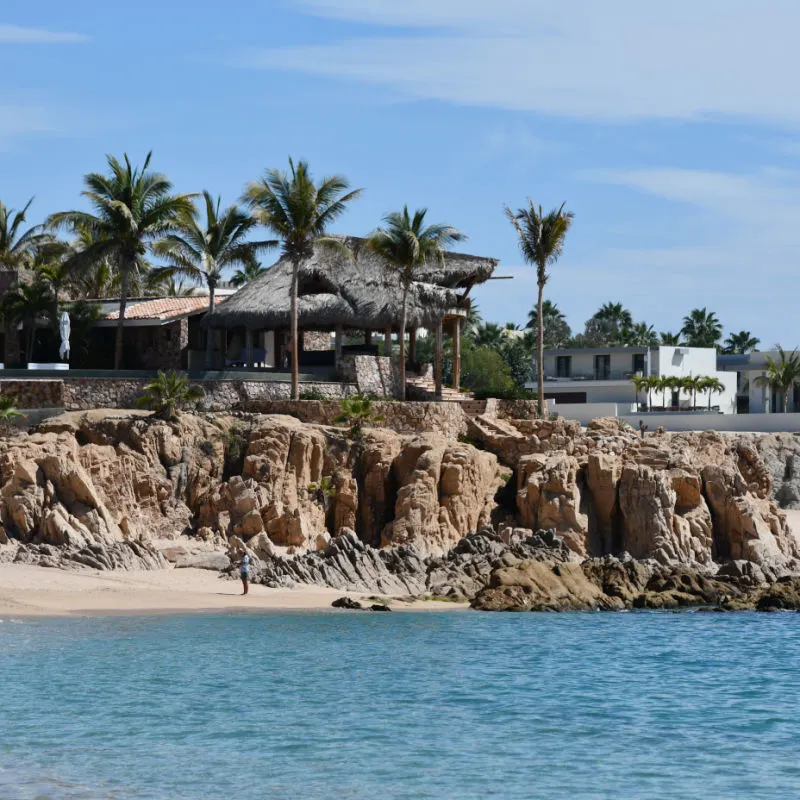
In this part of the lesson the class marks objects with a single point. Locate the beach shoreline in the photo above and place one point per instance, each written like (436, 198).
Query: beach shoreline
(32, 591)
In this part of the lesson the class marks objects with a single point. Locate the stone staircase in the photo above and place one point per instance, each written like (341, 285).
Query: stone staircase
(424, 387)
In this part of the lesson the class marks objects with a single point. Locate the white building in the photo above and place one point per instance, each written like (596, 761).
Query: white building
(759, 398)
(603, 375)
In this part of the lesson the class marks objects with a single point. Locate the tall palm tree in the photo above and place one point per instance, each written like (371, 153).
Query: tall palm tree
(541, 241)
(247, 272)
(19, 246)
(639, 334)
(407, 244)
(133, 208)
(474, 319)
(782, 375)
(740, 343)
(669, 339)
(692, 385)
(300, 213)
(711, 386)
(556, 329)
(615, 313)
(201, 251)
(701, 328)
(29, 303)
(489, 335)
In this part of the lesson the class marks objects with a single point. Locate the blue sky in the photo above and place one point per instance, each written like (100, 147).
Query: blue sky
(672, 133)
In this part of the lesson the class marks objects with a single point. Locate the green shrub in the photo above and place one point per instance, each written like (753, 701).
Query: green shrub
(169, 392)
(356, 414)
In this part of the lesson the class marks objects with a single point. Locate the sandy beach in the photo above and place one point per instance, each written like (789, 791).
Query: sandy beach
(38, 591)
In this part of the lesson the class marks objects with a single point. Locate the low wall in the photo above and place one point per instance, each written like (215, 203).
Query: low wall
(745, 423)
(373, 375)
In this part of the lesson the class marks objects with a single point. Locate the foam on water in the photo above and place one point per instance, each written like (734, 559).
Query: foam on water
(465, 705)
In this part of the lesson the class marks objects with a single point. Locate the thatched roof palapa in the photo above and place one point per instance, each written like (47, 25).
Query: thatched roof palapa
(362, 292)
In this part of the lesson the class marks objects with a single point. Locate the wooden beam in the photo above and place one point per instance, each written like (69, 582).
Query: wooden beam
(437, 362)
(456, 354)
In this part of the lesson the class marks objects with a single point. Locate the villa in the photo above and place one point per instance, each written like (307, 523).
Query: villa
(755, 397)
(596, 379)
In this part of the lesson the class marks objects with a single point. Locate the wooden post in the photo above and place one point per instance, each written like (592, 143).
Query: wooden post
(368, 337)
(437, 363)
(387, 342)
(412, 345)
(338, 342)
(248, 338)
(456, 353)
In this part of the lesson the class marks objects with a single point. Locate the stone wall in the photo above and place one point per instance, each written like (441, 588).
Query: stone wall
(316, 340)
(162, 346)
(373, 375)
(44, 393)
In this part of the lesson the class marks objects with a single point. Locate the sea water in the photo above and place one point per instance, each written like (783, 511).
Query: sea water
(404, 705)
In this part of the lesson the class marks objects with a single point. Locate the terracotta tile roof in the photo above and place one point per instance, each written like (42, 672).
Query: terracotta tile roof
(164, 308)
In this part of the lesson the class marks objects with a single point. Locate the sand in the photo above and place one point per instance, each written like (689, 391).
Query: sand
(27, 591)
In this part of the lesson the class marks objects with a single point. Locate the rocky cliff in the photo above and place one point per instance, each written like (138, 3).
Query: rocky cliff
(389, 512)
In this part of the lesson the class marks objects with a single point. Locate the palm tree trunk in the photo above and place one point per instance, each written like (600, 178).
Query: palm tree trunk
(709, 400)
(294, 332)
(31, 340)
(210, 331)
(540, 351)
(123, 304)
(403, 344)
(786, 401)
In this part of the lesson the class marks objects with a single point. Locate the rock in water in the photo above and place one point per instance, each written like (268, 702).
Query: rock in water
(348, 603)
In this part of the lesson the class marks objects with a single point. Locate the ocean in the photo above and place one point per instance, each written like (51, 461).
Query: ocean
(404, 705)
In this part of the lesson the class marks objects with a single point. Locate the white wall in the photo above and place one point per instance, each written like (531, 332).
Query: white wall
(586, 412)
(751, 423)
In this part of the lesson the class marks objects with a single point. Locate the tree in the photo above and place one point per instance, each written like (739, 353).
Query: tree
(167, 393)
(653, 385)
(133, 208)
(556, 330)
(616, 314)
(406, 244)
(300, 213)
(248, 272)
(640, 384)
(740, 343)
(782, 374)
(486, 374)
(19, 246)
(201, 251)
(692, 385)
(712, 386)
(701, 328)
(669, 339)
(28, 303)
(541, 241)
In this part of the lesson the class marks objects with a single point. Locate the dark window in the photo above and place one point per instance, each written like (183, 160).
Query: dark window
(602, 368)
(638, 362)
(563, 366)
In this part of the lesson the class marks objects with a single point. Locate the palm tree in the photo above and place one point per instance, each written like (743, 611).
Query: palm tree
(299, 212)
(489, 335)
(692, 385)
(248, 272)
(541, 241)
(712, 386)
(639, 335)
(701, 328)
(200, 252)
(641, 384)
(740, 343)
(556, 329)
(669, 339)
(167, 393)
(672, 383)
(473, 320)
(356, 413)
(653, 384)
(18, 247)
(28, 303)
(782, 374)
(407, 245)
(134, 208)
(615, 313)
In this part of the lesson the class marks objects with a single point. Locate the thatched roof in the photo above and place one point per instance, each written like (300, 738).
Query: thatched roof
(359, 293)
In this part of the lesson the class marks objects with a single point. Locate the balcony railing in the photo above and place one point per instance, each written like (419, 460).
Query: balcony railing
(598, 375)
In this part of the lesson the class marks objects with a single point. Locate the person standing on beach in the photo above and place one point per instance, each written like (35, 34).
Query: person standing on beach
(244, 573)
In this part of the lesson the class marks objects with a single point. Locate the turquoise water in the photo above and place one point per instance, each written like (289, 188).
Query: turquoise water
(429, 705)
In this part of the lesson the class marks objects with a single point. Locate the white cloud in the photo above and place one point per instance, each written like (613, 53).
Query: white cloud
(20, 120)
(615, 60)
(14, 34)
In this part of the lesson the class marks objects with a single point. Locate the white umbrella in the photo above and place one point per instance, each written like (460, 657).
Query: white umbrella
(64, 328)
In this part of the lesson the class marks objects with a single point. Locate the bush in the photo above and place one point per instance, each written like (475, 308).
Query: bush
(169, 392)
(356, 413)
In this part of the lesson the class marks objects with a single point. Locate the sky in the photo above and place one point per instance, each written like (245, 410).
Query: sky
(672, 131)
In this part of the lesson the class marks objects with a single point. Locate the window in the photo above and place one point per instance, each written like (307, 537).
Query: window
(563, 366)
(638, 363)
(602, 368)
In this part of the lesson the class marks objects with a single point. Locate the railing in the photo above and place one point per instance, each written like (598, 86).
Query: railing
(599, 375)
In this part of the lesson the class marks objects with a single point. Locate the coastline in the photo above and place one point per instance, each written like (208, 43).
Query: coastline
(30, 591)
